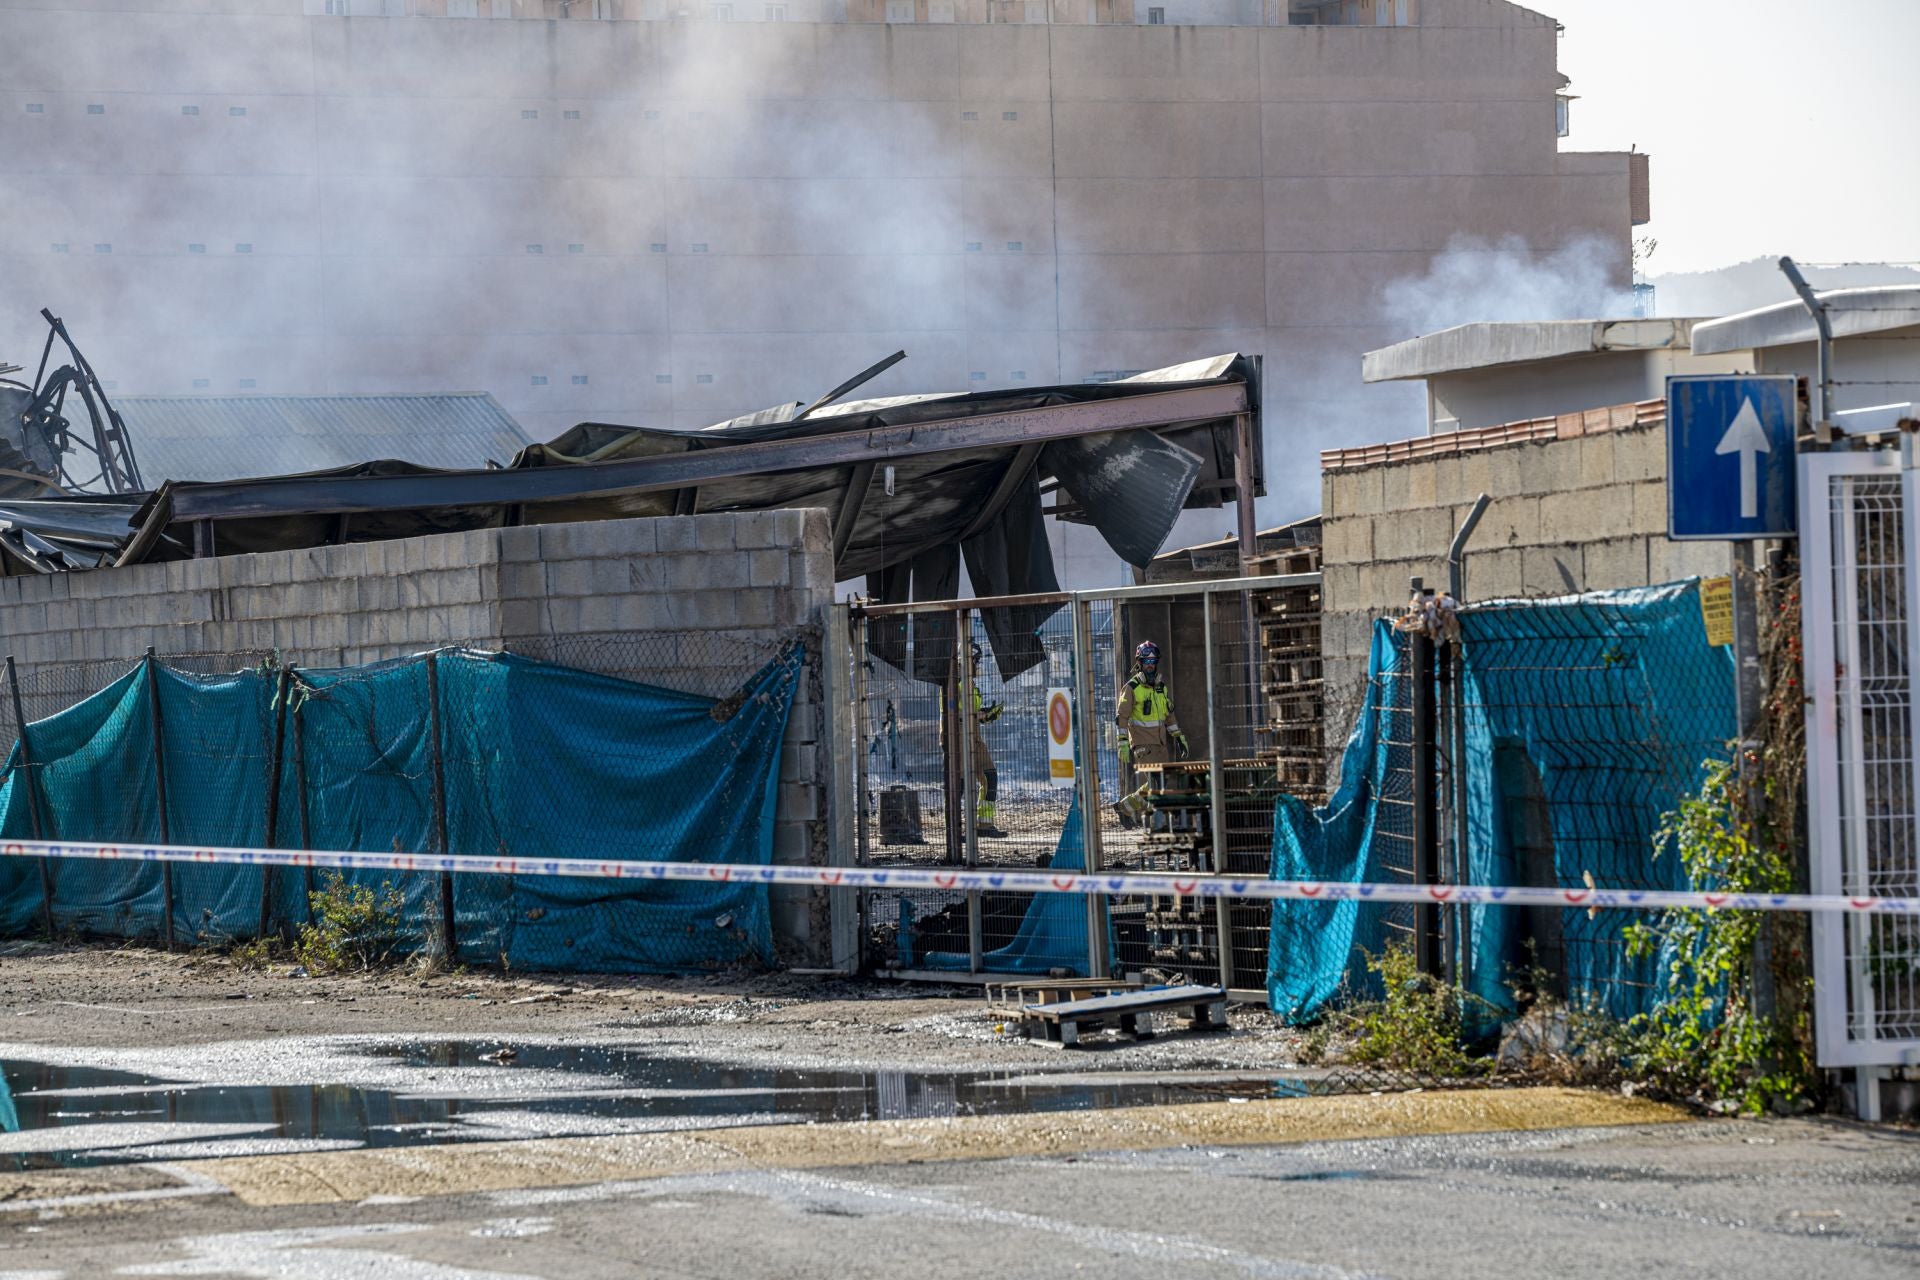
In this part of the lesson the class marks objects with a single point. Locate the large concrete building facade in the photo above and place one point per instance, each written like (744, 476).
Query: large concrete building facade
(673, 222)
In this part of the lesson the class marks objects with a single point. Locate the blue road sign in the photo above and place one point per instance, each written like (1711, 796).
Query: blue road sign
(1730, 459)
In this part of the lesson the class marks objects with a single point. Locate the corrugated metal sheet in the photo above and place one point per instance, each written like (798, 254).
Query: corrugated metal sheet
(240, 437)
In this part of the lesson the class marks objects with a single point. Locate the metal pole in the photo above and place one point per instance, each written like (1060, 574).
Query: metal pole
(160, 797)
(1823, 351)
(447, 941)
(1217, 795)
(1456, 660)
(1451, 917)
(300, 791)
(1749, 702)
(1089, 780)
(274, 760)
(40, 824)
(1244, 514)
(862, 836)
(969, 798)
(1426, 795)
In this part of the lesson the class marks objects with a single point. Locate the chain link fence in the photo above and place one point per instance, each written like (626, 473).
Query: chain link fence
(657, 746)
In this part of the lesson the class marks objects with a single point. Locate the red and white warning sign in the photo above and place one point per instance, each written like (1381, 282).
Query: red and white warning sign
(1059, 738)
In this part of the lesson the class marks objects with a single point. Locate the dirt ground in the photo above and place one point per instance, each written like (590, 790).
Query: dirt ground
(122, 996)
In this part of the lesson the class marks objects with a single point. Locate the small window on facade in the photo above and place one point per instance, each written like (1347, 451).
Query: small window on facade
(189, 111)
(1009, 115)
(103, 248)
(1562, 115)
(657, 247)
(1156, 17)
(1018, 375)
(973, 246)
(978, 375)
(529, 115)
(236, 111)
(196, 248)
(201, 384)
(650, 115)
(536, 248)
(576, 248)
(539, 379)
(940, 11)
(60, 248)
(969, 115)
(899, 10)
(36, 108)
(579, 379)
(663, 378)
(776, 13)
(703, 377)
(1016, 246)
(243, 248)
(720, 12)
(569, 115)
(247, 384)
(700, 248)
(96, 109)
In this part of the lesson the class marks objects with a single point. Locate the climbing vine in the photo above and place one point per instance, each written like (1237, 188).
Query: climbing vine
(1736, 1027)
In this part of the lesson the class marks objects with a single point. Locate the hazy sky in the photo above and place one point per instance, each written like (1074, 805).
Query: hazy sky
(1775, 126)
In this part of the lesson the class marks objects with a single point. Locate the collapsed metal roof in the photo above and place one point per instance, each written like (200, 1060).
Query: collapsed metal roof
(905, 477)
(230, 437)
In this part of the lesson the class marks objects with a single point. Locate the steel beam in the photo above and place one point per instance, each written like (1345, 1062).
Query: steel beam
(312, 495)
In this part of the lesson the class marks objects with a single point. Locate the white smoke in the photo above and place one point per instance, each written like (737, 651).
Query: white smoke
(1475, 280)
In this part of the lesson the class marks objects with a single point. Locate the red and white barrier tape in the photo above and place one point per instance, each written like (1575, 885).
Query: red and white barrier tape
(977, 879)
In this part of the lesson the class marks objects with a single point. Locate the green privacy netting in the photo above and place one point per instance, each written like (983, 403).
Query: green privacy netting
(537, 761)
(1586, 719)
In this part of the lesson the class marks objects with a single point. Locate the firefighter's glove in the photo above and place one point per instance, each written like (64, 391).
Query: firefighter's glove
(1126, 751)
(1180, 747)
(991, 712)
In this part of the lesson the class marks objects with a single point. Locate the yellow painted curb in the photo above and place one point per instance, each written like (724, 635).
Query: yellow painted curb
(336, 1176)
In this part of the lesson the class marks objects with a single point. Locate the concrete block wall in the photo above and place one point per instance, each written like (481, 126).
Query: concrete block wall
(693, 603)
(1579, 509)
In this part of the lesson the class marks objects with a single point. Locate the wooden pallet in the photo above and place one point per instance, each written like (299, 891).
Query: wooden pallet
(1014, 996)
(1130, 1013)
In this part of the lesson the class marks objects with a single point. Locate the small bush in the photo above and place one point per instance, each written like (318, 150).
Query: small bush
(1419, 1026)
(354, 928)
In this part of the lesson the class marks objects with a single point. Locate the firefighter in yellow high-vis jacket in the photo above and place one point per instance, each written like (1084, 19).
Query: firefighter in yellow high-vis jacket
(1149, 731)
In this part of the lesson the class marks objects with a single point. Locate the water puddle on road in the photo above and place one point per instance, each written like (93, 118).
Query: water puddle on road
(449, 1091)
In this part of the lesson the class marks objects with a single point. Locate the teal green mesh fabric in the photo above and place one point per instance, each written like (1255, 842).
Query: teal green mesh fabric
(1587, 718)
(537, 761)
(1052, 934)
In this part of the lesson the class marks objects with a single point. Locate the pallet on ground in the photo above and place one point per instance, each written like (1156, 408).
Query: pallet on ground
(1130, 1013)
(1013, 996)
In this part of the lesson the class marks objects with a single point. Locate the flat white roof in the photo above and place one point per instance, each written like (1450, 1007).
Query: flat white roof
(1490, 345)
(1851, 312)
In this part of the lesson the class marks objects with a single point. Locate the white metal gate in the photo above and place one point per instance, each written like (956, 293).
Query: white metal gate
(1860, 579)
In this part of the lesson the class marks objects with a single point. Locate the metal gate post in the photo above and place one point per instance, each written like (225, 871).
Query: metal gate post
(274, 759)
(449, 948)
(1216, 792)
(1426, 794)
(1089, 781)
(40, 825)
(160, 797)
(842, 687)
(969, 798)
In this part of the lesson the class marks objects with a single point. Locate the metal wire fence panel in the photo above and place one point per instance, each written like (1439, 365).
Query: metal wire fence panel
(1860, 576)
(1586, 719)
(458, 751)
(1005, 786)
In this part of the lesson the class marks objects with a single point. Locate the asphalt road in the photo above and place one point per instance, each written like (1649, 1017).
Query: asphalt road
(1739, 1199)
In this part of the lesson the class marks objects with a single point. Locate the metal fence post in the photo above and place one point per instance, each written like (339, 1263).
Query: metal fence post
(41, 825)
(969, 793)
(1749, 701)
(1089, 781)
(449, 946)
(844, 777)
(274, 759)
(1217, 792)
(300, 793)
(1426, 795)
(160, 796)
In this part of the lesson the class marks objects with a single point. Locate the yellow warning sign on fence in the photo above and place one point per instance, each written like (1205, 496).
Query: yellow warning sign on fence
(1716, 609)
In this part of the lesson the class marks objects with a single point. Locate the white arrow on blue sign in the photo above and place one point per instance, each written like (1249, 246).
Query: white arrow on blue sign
(1730, 456)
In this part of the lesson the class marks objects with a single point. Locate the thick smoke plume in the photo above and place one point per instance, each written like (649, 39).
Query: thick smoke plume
(1475, 280)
